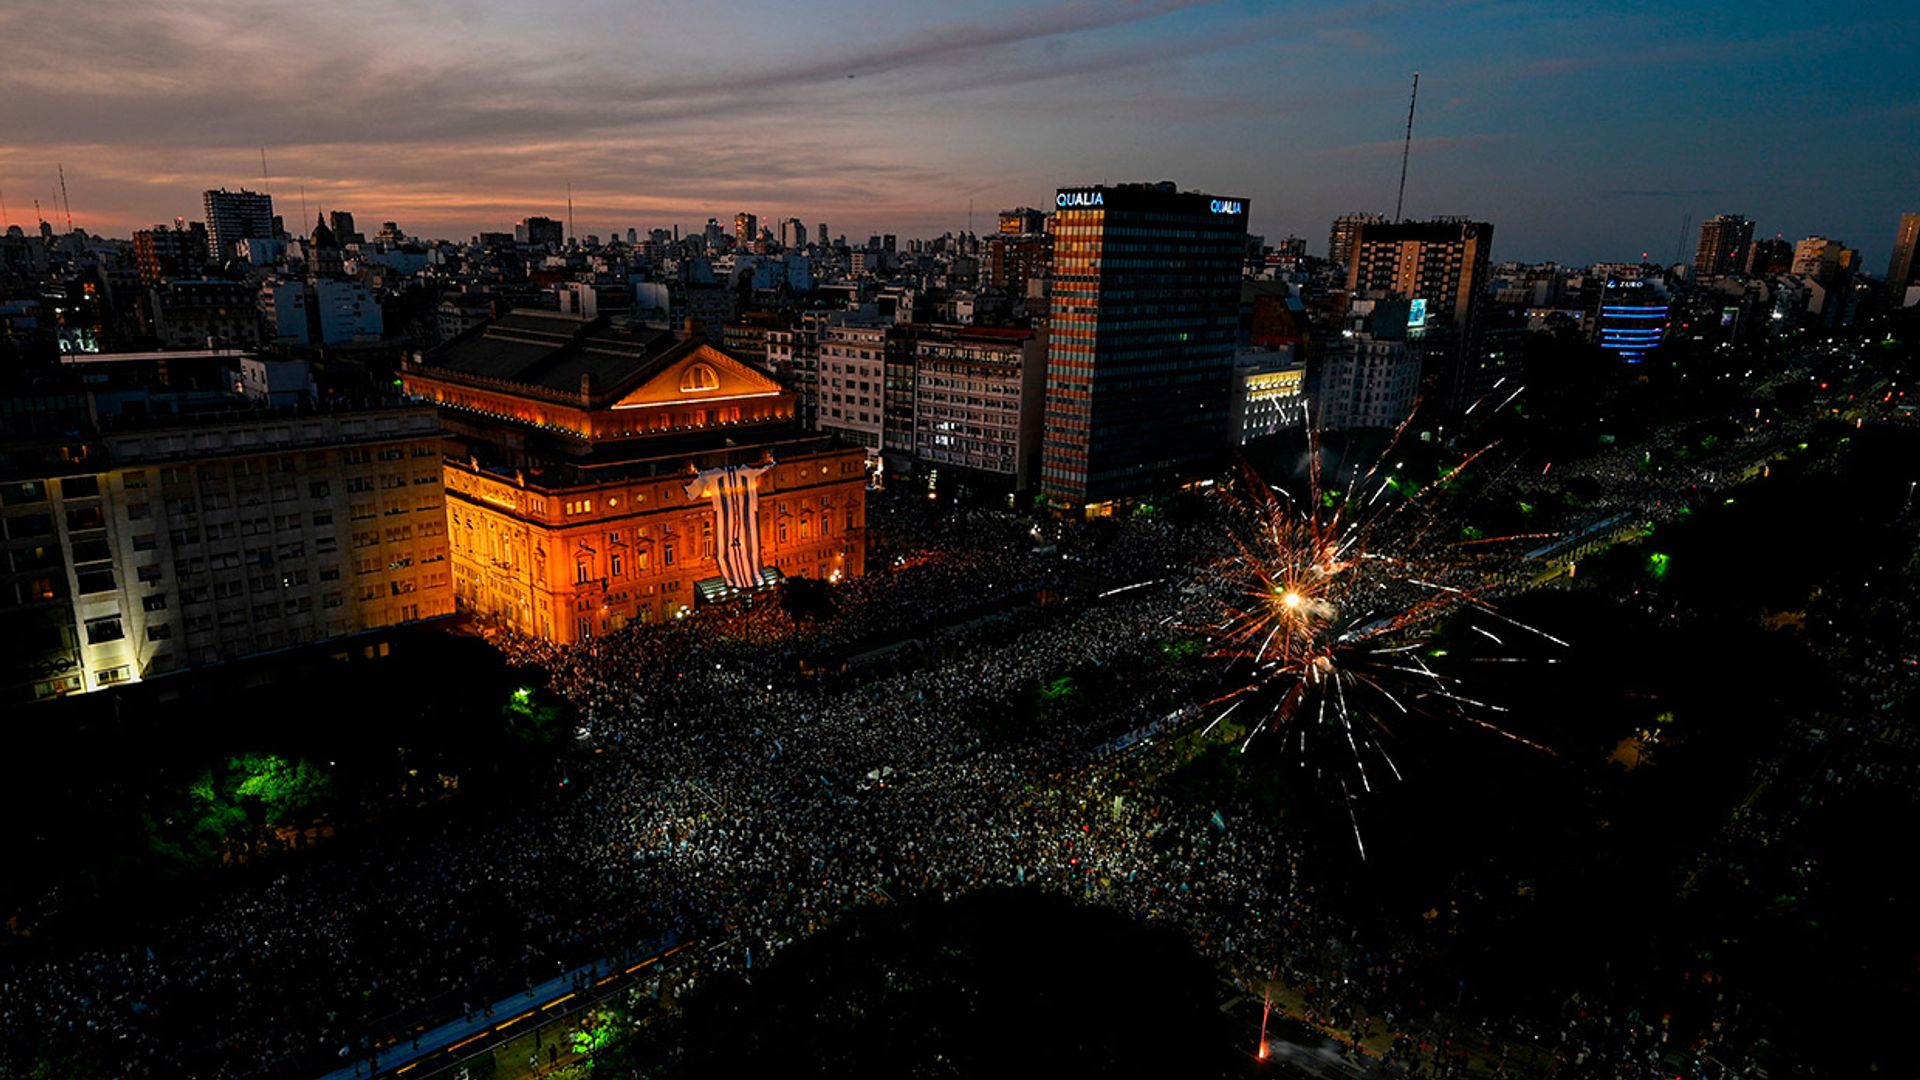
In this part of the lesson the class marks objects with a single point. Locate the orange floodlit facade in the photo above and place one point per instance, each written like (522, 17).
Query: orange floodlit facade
(573, 514)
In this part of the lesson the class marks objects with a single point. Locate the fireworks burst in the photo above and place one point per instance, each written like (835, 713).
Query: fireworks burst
(1329, 610)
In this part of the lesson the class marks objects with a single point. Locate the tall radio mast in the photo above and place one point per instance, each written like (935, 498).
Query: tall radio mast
(1406, 150)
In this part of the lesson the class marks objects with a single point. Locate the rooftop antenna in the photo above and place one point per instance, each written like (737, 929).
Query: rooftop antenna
(1407, 150)
(38, 217)
(6, 219)
(569, 211)
(969, 215)
(303, 204)
(264, 182)
(64, 197)
(1680, 248)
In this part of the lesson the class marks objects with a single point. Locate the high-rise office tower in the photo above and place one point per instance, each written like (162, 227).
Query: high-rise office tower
(1443, 263)
(1146, 290)
(1903, 271)
(233, 216)
(746, 228)
(1346, 229)
(1724, 239)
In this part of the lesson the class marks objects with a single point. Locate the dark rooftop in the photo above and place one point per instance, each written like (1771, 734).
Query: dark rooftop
(552, 351)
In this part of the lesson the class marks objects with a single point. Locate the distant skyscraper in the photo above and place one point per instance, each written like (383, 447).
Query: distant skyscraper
(822, 238)
(540, 232)
(342, 224)
(1724, 239)
(1346, 229)
(1445, 263)
(233, 216)
(1146, 291)
(799, 232)
(1904, 269)
(746, 228)
(1023, 221)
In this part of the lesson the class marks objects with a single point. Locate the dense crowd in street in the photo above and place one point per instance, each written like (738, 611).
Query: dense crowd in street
(725, 798)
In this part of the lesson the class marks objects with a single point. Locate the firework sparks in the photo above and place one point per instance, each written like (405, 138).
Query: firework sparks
(1328, 613)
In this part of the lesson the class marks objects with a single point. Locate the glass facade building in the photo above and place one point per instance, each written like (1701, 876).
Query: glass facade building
(1633, 317)
(1146, 290)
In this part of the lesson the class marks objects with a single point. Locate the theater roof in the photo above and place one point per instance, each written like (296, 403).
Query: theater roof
(548, 350)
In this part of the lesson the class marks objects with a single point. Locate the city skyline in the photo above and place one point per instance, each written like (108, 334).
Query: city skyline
(464, 118)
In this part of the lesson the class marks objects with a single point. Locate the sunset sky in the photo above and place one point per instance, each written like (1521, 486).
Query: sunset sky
(1582, 133)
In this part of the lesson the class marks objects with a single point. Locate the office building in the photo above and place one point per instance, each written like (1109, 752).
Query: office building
(1903, 270)
(1724, 240)
(1823, 260)
(320, 312)
(233, 216)
(852, 379)
(746, 336)
(746, 229)
(164, 253)
(1372, 372)
(606, 472)
(1346, 230)
(1146, 288)
(1016, 261)
(1022, 221)
(1445, 264)
(343, 230)
(1767, 256)
(1269, 395)
(544, 232)
(976, 398)
(203, 314)
(1634, 316)
(183, 540)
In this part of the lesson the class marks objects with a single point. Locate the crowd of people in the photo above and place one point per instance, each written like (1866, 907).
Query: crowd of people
(723, 796)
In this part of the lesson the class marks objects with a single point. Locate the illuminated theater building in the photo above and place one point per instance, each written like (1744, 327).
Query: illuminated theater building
(602, 472)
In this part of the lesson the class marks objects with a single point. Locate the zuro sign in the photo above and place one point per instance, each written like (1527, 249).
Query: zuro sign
(1226, 206)
(1080, 198)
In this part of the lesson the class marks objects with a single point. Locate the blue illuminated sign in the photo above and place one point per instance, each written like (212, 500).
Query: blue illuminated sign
(1226, 206)
(1069, 199)
(1416, 314)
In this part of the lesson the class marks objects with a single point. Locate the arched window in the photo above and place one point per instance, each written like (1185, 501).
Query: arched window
(699, 377)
